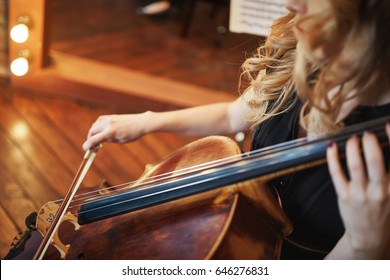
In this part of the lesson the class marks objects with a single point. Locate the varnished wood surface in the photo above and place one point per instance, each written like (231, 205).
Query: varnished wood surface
(41, 137)
(112, 32)
(40, 142)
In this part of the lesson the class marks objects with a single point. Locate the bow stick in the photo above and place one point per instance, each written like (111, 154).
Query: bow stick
(82, 171)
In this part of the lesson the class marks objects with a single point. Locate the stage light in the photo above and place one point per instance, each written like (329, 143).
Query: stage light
(20, 65)
(20, 32)
(20, 130)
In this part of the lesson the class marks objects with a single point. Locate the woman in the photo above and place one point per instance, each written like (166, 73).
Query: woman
(324, 66)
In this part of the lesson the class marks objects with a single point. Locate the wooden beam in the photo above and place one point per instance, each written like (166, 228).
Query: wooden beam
(37, 44)
(102, 83)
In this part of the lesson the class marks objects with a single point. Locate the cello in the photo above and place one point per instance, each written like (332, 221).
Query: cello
(205, 201)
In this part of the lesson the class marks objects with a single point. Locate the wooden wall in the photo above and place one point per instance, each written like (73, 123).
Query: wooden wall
(3, 38)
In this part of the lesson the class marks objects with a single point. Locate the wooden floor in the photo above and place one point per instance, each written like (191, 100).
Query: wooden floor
(41, 137)
(112, 32)
(40, 142)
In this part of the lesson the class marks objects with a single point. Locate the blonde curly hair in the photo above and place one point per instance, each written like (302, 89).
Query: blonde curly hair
(343, 50)
(270, 72)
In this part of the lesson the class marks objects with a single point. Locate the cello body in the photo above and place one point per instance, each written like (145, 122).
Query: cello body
(230, 215)
(240, 221)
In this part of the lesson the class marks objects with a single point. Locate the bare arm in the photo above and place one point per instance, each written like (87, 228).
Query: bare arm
(219, 118)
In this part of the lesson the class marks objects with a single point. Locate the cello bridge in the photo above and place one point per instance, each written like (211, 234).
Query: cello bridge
(45, 217)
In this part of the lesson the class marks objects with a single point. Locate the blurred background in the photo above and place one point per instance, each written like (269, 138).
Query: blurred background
(85, 58)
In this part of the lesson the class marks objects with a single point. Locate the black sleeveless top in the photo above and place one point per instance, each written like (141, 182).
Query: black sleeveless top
(308, 197)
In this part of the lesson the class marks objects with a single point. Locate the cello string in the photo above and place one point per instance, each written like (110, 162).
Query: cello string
(155, 178)
(199, 167)
(340, 138)
(160, 192)
(154, 183)
(161, 178)
(155, 187)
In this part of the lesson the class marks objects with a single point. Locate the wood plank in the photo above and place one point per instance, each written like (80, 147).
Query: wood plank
(92, 46)
(43, 84)
(130, 158)
(17, 163)
(123, 81)
(75, 127)
(35, 117)
(8, 231)
(16, 200)
(33, 145)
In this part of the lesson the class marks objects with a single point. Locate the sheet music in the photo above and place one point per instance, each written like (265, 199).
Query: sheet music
(254, 16)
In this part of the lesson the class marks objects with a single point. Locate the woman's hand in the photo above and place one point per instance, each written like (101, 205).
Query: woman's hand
(364, 198)
(117, 128)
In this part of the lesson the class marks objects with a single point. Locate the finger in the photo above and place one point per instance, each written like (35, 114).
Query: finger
(339, 179)
(95, 140)
(96, 128)
(88, 144)
(98, 125)
(388, 130)
(388, 136)
(374, 160)
(355, 164)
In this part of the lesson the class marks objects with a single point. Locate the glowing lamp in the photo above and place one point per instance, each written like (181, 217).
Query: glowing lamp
(20, 32)
(20, 65)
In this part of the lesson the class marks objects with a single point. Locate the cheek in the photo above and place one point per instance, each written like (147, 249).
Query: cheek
(317, 6)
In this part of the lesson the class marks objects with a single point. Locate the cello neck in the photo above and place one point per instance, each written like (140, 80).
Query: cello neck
(280, 159)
